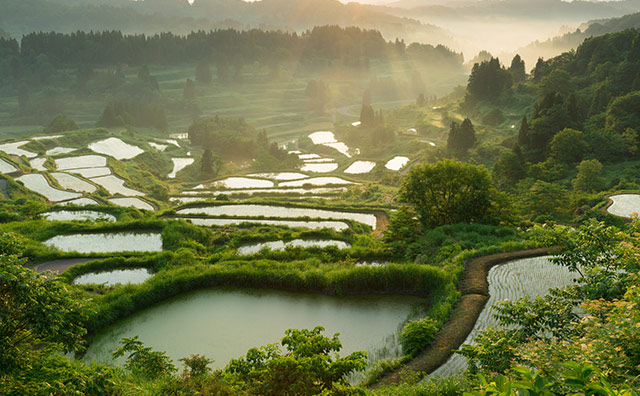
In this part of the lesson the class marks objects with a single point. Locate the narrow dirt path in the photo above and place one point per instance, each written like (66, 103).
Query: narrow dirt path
(474, 290)
(60, 266)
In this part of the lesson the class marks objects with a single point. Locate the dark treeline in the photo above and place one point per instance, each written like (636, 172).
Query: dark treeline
(230, 45)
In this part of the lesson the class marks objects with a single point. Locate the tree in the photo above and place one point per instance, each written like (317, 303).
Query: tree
(309, 367)
(517, 69)
(450, 192)
(487, 81)
(461, 137)
(61, 123)
(523, 133)
(508, 169)
(189, 92)
(568, 146)
(421, 101)
(588, 178)
(208, 165)
(367, 116)
(203, 72)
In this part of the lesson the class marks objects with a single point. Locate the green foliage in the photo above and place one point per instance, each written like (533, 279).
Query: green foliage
(60, 123)
(461, 137)
(308, 367)
(450, 192)
(588, 178)
(577, 380)
(196, 365)
(134, 113)
(417, 335)
(568, 146)
(143, 360)
(487, 81)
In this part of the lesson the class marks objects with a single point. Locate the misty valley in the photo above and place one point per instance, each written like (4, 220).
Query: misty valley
(316, 197)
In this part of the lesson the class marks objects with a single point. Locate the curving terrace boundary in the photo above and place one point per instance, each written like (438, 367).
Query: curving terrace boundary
(474, 291)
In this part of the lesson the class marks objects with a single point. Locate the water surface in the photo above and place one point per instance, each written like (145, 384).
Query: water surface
(625, 205)
(78, 215)
(116, 148)
(107, 242)
(132, 276)
(223, 324)
(281, 245)
(359, 167)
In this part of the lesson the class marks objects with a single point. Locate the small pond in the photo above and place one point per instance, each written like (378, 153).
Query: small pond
(301, 191)
(396, 163)
(78, 215)
(335, 225)
(133, 276)
(249, 210)
(159, 147)
(225, 323)
(327, 138)
(359, 167)
(280, 245)
(115, 148)
(107, 242)
(624, 205)
(178, 165)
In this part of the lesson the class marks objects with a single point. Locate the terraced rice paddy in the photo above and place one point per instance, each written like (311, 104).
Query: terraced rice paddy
(359, 167)
(319, 168)
(238, 182)
(80, 202)
(83, 161)
(280, 245)
(78, 215)
(60, 150)
(281, 176)
(396, 163)
(92, 172)
(115, 185)
(116, 148)
(38, 183)
(314, 225)
(70, 182)
(327, 138)
(133, 276)
(6, 167)
(531, 277)
(38, 164)
(107, 242)
(159, 147)
(625, 205)
(297, 191)
(249, 210)
(131, 203)
(178, 165)
(14, 149)
(48, 137)
(316, 181)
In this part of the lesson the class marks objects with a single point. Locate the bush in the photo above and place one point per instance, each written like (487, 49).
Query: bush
(418, 335)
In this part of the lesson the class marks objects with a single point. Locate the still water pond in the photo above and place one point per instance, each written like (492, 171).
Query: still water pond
(223, 324)
(78, 215)
(280, 245)
(133, 276)
(107, 242)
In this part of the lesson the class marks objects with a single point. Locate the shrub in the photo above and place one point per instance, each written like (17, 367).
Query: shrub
(417, 335)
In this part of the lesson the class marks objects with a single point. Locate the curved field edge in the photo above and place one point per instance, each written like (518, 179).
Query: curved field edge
(474, 289)
(416, 280)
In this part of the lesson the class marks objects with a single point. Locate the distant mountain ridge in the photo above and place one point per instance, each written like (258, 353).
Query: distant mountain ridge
(153, 16)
